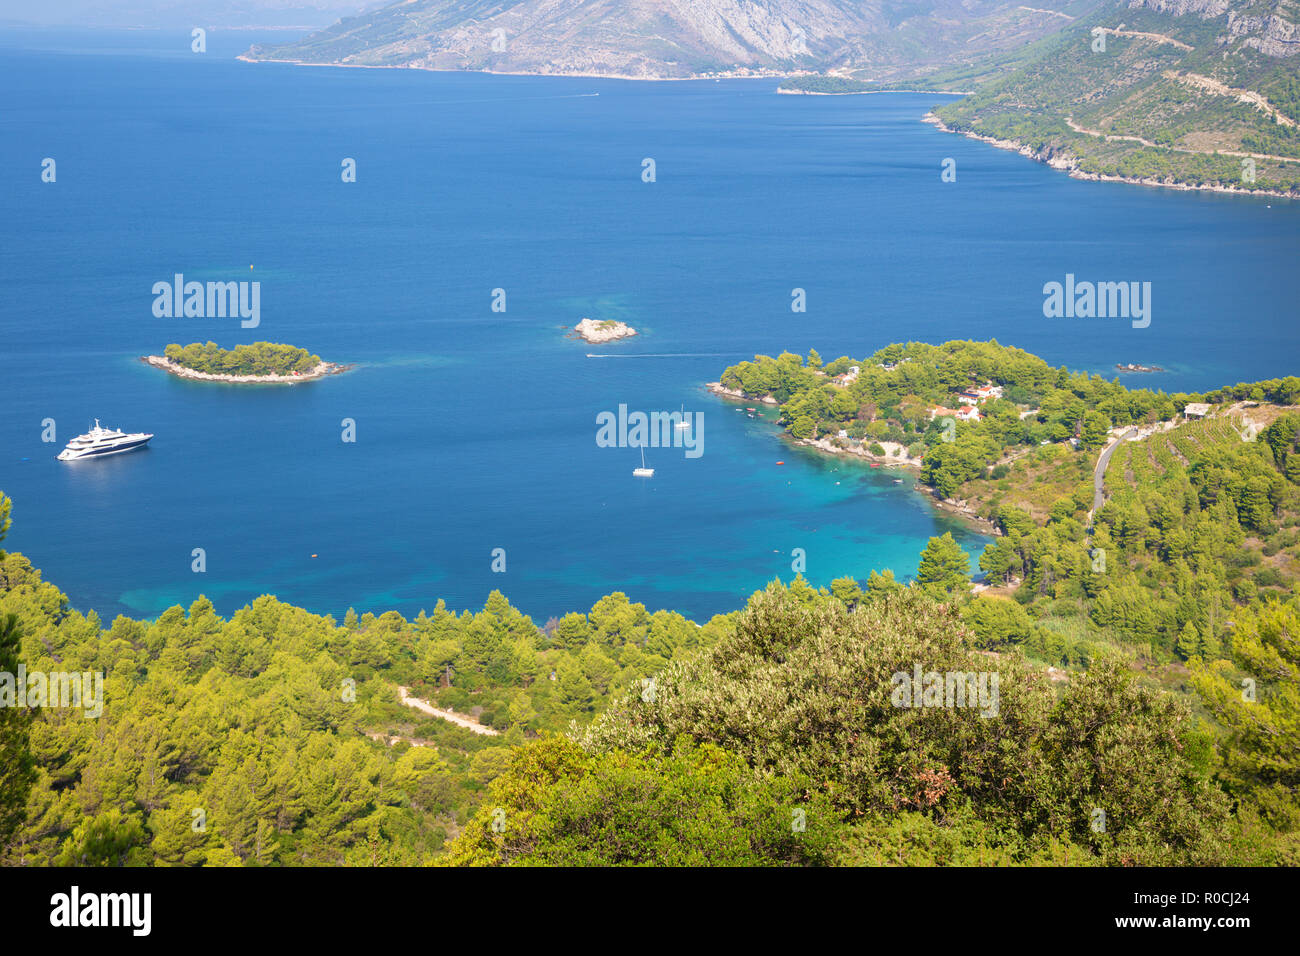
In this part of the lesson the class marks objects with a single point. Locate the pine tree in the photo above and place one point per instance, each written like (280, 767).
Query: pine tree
(879, 585)
(16, 765)
(1211, 647)
(1259, 750)
(945, 567)
(847, 590)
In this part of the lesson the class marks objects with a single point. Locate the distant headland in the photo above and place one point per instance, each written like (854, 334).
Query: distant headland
(262, 363)
(607, 330)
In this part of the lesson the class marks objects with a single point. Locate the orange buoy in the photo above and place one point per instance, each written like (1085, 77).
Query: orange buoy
(780, 463)
(313, 555)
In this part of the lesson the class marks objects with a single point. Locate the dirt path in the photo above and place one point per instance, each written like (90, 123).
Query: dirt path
(1054, 13)
(1250, 97)
(393, 739)
(469, 723)
(1111, 137)
(1177, 149)
(1158, 37)
(1015, 456)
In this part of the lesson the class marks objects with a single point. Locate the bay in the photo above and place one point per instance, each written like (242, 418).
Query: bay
(476, 430)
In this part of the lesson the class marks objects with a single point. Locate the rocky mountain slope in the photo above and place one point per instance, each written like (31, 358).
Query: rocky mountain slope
(680, 38)
(1193, 92)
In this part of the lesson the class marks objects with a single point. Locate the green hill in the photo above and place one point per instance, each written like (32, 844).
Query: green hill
(1192, 92)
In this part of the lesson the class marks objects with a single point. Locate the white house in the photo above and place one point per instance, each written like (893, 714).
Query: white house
(982, 394)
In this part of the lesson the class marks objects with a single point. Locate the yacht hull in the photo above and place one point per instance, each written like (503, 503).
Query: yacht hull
(118, 449)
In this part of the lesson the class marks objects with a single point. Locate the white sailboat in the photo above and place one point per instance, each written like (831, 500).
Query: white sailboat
(684, 423)
(643, 471)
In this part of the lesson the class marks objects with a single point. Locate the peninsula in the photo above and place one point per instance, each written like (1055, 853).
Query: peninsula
(261, 363)
(600, 332)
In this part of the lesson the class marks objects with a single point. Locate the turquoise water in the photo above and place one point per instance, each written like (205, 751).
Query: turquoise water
(476, 430)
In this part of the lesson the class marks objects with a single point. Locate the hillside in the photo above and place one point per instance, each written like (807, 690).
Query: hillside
(286, 728)
(1193, 92)
(652, 39)
(1024, 463)
(774, 735)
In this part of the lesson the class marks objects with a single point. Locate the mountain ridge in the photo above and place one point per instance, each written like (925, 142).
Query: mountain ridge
(675, 39)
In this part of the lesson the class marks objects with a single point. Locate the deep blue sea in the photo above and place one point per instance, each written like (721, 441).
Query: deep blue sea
(476, 430)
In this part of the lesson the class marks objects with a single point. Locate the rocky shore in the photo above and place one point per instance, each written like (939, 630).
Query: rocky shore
(717, 388)
(1068, 163)
(738, 73)
(320, 371)
(895, 454)
(598, 333)
(1130, 367)
(962, 510)
(782, 89)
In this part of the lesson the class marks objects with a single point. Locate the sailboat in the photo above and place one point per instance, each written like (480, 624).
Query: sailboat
(684, 423)
(643, 471)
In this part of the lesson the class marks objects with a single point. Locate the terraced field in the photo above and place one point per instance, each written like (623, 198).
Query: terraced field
(1136, 463)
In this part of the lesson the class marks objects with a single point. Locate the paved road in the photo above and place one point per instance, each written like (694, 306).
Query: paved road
(1099, 473)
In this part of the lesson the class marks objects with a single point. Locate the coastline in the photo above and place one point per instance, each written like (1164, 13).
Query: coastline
(172, 368)
(902, 460)
(953, 509)
(783, 90)
(597, 75)
(736, 395)
(963, 512)
(1069, 164)
(1066, 163)
(576, 74)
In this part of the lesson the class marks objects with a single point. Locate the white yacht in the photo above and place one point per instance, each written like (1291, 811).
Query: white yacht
(685, 422)
(99, 442)
(643, 471)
